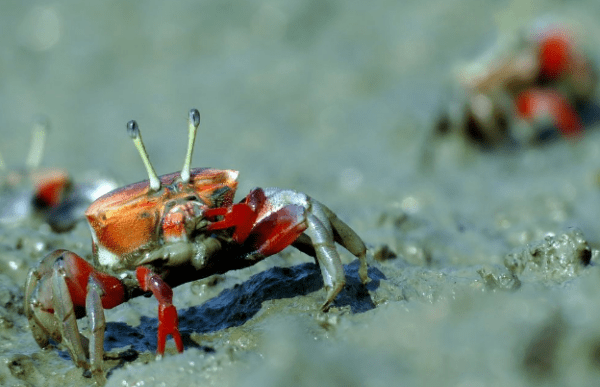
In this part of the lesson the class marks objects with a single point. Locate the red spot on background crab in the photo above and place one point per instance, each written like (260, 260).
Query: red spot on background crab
(538, 105)
(555, 53)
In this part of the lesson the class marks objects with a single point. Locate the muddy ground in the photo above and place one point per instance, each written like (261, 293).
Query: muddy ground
(477, 260)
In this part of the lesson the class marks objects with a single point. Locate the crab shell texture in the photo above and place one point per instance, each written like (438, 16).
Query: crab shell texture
(129, 221)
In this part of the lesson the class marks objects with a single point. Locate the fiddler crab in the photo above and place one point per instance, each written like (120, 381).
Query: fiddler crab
(536, 91)
(46, 193)
(151, 236)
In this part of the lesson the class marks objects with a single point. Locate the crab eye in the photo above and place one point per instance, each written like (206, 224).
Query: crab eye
(132, 129)
(195, 117)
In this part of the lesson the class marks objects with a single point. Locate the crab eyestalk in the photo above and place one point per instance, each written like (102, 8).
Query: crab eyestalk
(136, 135)
(38, 142)
(193, 123)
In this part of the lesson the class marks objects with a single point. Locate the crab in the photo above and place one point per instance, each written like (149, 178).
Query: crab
(524, 97)
(48, 194)
(151, 236)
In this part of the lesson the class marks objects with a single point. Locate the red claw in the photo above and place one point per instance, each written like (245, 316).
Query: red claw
(78, 272)
(271, 231)
(240, 216)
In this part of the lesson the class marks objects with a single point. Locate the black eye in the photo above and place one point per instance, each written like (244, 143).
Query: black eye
(132, 129)
(195, 117)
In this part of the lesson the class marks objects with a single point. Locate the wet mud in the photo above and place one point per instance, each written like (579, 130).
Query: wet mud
(483, 265)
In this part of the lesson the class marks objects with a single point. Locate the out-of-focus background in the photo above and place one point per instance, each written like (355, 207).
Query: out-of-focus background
(285, 89)
(336, 99)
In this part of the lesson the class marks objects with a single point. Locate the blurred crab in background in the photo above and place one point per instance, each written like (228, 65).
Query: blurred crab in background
(543, 87)
(151, 236)
(48, 194)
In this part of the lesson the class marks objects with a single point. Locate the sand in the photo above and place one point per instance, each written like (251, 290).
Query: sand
(483, 266)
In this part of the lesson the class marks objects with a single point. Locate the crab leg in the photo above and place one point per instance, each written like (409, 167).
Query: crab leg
(73, 340)
(324, 227)
(346, 237)
(327, 256)
(95, 313)
(168, 323)
(40, 336)
(62, 289)
(65, 312)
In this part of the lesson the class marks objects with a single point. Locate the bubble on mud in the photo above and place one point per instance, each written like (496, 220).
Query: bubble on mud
(556, 258)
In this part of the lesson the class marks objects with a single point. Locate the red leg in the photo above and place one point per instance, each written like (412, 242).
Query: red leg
(168, 323)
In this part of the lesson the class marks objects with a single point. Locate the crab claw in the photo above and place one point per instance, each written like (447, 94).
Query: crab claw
(63, 288)
(271, 219)
(240, 216)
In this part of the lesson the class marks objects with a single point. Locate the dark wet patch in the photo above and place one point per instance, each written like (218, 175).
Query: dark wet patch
(589, 112)
(384, 253)
(540, 356)
(594, 353)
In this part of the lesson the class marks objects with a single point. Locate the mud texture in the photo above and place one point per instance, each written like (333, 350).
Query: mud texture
(483, 266)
